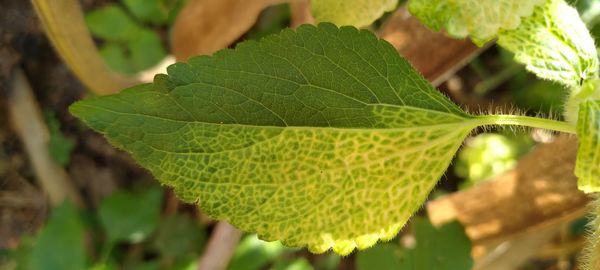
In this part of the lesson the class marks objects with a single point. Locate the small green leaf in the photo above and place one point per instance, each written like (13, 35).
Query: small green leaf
(488, 155)
(297, 264)
(446, 248)
(357, 13)
(554, 44)
(383, 257)
(59, 245)
(179, 236)
(115, 56)
(147, 265)
(111, 23)
(323, 137)
(254, 254)
(479, 19)
(587, 166)
(59, 147)
(130, 216)
(154, 11)
(146, 49)
(142, 51)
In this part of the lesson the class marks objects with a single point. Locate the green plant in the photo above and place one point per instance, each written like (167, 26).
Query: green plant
(123, 218)
(324, 136)
(129, 45)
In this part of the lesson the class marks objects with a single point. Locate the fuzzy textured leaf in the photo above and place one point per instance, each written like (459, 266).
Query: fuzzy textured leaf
(554, 43)
(479, 19)
(356, 12)
(323, 136)
(587, 166)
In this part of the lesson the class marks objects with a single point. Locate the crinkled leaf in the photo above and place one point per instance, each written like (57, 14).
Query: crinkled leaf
(587, 166)
(357, 13)
(444, 248)
(554, 44)
(323, 137)
(129, 216)
(479, 19)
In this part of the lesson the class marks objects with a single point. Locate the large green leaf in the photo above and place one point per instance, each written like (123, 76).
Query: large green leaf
(322, 137)
(357, 12)
(587, 167)
(479, 19)
(554, 43)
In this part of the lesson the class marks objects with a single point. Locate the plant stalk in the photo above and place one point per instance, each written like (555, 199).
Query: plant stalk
(519, 120)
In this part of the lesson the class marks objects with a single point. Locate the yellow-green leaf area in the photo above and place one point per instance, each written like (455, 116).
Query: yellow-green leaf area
(321, 137)
(358, 13)
(555, 44)
(587, 166)
(479, 19)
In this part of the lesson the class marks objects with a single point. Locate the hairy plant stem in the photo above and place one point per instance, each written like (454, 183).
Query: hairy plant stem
(519, 120)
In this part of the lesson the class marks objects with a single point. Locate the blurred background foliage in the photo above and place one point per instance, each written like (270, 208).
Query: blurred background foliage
(134, 228)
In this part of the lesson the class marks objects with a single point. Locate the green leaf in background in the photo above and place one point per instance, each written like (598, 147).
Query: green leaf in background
(588, 9)
(554, 44)
(143, 51)
(254, 254)
(19, 258)
(358, 13)
(111, 23)
(130, 47)
(587, 166)
(59, 245)
(323, 136)
(297, 264)
(382, 257)
(179, 236)
(444, 248)
(116, 57)
(479, 19)
(271, 21)
(488, 155)
(148, 265)
(59, 147)
(129, 216)
(154, 11)
(146, 49)
(538, 96)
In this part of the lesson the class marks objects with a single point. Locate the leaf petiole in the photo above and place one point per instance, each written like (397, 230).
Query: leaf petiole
(519, 120)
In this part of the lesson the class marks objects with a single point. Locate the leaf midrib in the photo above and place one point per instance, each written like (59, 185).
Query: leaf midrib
(471, 121)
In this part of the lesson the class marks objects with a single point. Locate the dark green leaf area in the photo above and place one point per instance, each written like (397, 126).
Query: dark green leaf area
(444, 248)
(314, 76)
(179, 236)
(59, 245)
(384, 256)
(130, 217)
